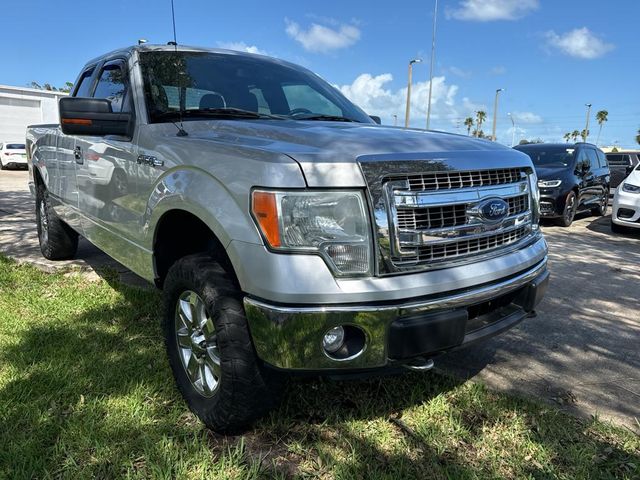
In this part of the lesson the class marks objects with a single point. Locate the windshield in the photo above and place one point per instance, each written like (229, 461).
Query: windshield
(200, 81)
(550, 157)
(15, 146)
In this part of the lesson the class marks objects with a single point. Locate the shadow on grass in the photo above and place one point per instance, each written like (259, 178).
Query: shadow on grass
(89, 394)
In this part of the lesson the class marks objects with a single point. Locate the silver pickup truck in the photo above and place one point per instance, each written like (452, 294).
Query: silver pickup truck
(289, 231)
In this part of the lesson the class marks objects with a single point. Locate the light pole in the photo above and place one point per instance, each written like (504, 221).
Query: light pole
(586, 129)
(395, 120)
(433, 54)
(495, 114)
(408, 111)
(513, 129)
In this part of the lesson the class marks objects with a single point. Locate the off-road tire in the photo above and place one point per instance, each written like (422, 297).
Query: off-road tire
(58, 241)
(247, 390)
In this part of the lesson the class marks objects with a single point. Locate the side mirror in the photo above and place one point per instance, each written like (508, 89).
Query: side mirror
(92, 116)
(376, 119)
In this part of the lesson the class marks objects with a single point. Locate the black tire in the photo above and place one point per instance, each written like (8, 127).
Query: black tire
(601, 209)
(58, 241)
(2, 167)
(246, 390)
(615, 228)
(570, 208)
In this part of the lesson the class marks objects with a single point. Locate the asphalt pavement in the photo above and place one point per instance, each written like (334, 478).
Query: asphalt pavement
(581, 353)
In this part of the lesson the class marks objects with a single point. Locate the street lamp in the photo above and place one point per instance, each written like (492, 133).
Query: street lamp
(433, 53)
(495, 114)
(513, 129)
(408, 111)
(586, 129)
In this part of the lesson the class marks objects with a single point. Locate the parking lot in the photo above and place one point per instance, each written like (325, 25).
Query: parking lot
(581, 352)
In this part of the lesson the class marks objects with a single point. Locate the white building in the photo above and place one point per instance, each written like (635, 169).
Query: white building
(22, 106)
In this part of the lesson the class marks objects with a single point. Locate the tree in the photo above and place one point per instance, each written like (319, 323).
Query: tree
(601, 117)
(567, 136)
(47, 86)
(468, 122)
(638, 137)
(584, 134)
(479, 133)
(575, 134)
(481, 116)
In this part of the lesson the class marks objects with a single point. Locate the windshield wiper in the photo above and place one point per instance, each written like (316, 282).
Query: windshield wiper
(227, 112)
(319, 116)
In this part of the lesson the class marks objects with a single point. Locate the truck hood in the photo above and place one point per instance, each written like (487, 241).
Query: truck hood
(330, 153)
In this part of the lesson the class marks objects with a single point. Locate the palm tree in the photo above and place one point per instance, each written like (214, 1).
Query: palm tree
(584, 134)
(567, 136)
(468, 122)
(481, 116)
(601, 117)
(575, 134)
(638, 137)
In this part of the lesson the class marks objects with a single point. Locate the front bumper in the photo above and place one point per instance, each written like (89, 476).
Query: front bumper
(552, 202)
(290, 337)
(626, 209)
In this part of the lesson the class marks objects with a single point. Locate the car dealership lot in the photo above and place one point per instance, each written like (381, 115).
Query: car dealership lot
(581, 352)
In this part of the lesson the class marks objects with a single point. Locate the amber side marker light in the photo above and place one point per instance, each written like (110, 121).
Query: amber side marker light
(265, 210)
(76, 121)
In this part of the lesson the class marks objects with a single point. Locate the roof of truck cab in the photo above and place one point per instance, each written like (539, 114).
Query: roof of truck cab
(146, 47)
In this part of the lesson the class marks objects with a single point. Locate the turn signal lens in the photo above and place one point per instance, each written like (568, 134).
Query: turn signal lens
(265, 209)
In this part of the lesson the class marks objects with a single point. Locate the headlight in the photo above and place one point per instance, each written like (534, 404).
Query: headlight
(630, 188)
(549, 183)
(535, 200)
(334, 225)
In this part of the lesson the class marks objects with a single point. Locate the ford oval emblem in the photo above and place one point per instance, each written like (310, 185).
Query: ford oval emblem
(493, 210)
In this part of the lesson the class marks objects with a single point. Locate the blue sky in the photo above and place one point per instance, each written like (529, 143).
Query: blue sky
(551, 57)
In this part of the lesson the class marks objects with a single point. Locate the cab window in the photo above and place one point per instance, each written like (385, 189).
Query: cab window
(84, 84)
(112, 86)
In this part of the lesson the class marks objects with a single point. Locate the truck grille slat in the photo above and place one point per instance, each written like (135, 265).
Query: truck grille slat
(453, 180)
(459, 248)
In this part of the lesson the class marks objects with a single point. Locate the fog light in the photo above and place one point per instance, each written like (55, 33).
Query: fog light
(333, 339)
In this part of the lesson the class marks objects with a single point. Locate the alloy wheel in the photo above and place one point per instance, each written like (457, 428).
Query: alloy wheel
(197, 343)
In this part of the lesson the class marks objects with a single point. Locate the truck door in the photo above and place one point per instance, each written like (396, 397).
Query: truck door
(106, 172)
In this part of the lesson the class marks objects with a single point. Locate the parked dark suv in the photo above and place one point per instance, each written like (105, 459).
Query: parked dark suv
(621, 165)
(571, 178)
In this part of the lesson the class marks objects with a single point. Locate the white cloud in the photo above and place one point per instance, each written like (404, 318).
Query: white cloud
(320, 38)
(241, 47)
(489, 10)
(373, 95)
(527, 117)
(579, 43)
(498, 70)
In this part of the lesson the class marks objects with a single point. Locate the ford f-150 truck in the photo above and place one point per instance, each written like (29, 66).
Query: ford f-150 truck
(289, 231)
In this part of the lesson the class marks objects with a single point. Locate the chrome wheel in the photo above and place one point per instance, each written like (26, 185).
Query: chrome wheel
(197, 343)
(44, 222)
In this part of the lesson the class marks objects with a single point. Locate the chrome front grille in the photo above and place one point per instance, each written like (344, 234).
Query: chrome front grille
(437, 218)
(451, 180)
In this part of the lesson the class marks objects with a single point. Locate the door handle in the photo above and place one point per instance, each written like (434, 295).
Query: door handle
(77, 153)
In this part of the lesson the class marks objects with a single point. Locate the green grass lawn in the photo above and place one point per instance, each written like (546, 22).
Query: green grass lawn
(86, 392)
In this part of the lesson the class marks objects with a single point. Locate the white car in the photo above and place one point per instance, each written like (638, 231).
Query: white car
(13, 154)
(626, 203)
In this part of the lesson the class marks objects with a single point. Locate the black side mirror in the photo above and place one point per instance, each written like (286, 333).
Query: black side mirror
(376, 119)
(92, 116)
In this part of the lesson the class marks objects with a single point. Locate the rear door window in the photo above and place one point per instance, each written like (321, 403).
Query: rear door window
(602, 159)
(593, 158)
(112, 85)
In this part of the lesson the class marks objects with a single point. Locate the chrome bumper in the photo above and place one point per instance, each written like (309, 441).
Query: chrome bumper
(290, 337)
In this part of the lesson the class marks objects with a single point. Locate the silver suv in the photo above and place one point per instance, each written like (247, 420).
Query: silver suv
(288, 230)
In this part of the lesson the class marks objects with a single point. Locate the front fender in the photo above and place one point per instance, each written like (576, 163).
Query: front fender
(197, 192)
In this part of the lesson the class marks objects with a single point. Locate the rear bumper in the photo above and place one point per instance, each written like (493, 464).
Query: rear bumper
(290, 337)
